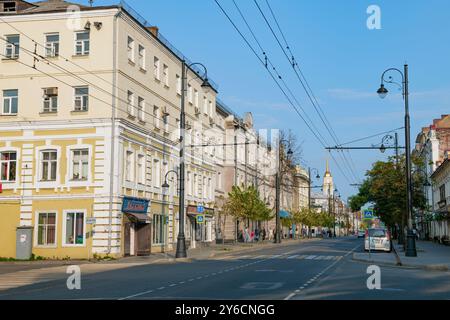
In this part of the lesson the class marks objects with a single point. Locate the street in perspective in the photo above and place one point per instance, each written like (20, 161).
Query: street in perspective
(304, 154)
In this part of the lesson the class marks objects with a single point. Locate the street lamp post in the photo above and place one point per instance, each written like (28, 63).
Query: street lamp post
(382, 91)
(181, 239)
(309, 184)
(278, 178)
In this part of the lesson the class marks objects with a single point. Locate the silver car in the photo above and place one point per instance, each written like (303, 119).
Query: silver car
(380, 239)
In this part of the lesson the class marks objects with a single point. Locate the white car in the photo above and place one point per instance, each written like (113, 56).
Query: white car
(361, 233)
(380, 240)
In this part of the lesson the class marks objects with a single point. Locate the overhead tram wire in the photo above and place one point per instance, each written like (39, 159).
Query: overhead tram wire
(274, 79)
(370, 137)
(314, 102)
(269, 62)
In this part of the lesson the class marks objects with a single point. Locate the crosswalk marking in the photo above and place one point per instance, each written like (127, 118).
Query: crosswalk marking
(293, 257)
(310, 257)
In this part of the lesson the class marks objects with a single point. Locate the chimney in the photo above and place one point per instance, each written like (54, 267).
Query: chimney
(154, 30)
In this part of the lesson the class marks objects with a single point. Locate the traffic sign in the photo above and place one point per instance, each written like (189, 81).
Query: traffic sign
(369, 214)
(200, 209)
(200, 219)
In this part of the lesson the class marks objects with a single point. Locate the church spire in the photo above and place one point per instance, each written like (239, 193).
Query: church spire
(327, 171)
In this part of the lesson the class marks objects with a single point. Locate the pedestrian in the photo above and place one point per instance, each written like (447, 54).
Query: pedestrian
(252, 236)
(264, 234)
(270, 234)
(246, 235)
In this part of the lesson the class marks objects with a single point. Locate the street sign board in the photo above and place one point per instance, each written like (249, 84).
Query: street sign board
(200, 209)
(369, 214)
(200, 219)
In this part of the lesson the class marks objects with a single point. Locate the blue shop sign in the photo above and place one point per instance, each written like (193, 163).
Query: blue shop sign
(134, 205)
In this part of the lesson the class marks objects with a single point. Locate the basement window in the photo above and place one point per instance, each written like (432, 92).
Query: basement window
(9, 7)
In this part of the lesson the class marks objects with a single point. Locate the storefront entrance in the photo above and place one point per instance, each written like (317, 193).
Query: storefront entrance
(137, 227)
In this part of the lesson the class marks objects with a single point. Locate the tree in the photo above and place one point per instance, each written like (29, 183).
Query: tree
(245, 203)
(385, 187)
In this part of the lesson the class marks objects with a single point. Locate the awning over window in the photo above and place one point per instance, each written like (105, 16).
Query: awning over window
(284, 214)
(139, 217)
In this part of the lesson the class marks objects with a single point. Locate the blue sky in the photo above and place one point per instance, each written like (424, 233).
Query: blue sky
(341, 58)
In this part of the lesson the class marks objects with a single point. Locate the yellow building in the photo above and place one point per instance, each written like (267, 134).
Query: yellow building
(89, 118)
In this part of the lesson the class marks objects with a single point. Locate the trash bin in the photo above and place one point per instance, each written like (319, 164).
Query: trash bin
(24, 243)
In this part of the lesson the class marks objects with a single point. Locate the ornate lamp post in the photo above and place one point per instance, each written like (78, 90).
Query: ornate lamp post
(181, 239)
(278, 178)
(382, 92)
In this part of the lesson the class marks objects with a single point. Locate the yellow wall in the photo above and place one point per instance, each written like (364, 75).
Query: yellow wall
(9, 221)
(61, 252)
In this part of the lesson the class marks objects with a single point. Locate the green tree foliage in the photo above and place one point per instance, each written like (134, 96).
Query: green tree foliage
(245, 203)
(385, 187)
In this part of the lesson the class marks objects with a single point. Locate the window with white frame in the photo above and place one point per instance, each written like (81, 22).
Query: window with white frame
(166, 75)
(80, 164)
(8, 166)
(10, 102)
(130, 103)
(46, 228)
(12, 46)
(204, 187)
(74, 226)
(156, 174)
(166, 122)
(210, 108)
(142, 57)
(194, 186)
(219, 180)
(49, 165)
(81, 101)
(141, 109)
(178, 84)
(205, 105)
(190, 95)
(189, 181)
(156, 69)
(159, 222)
(52, 44)
(141, 169)
(82, 43)
(129, 166)
(50, 100)
(130, 49)
(196, 98)
(156, 116)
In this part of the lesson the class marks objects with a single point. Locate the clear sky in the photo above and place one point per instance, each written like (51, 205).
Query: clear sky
(341, 58)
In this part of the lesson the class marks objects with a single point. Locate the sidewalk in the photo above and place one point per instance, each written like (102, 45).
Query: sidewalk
(430, 256)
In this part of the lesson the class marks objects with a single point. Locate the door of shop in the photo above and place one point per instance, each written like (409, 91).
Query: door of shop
(143, 239)
(127, 239)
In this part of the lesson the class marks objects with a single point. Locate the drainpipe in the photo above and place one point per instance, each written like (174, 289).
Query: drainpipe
(113, 129)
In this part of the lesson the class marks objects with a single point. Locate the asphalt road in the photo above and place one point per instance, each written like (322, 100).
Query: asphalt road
(320, 269)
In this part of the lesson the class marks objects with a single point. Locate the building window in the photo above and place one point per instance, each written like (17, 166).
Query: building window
(178, 84)
(142, 57)
(210, 108)
(80, 165)
(129, 166)
(205, 105)
(166, 122)
(46, 227)
(74, 228)
(442, 193)
(158, 229)
(49, 165)
(156, 68)
(52, 44)
(81, 99)
(10, 102)
(194, 186)
(82, 43)
(130, 103)
(141, 169)
(166, 75)
(9, 6)
(156, 174)
(190, 96)
(130, 49)
(141, 109)
(219, 181)
(196, 98)
(12, 46)
(8, 165)
(50, 102)
(156, 116)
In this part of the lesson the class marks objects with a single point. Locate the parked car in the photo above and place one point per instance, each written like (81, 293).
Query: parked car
(380, 240)
(361, 233)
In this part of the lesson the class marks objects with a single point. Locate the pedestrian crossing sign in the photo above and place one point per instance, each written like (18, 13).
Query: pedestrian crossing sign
(369, 214)
(200, 219)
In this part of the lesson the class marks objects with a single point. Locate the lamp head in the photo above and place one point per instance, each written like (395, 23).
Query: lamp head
(383, 148)
(290, 152)
(382, 92)
(206, 85)
(165, 187)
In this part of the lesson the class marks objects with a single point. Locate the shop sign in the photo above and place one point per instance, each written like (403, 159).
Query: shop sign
(135, 205)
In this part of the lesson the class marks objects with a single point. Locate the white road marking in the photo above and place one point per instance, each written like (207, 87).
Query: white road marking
(293, 257)
(310, 257)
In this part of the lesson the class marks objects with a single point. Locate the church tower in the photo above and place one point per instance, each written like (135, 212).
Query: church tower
(328, 185)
